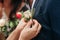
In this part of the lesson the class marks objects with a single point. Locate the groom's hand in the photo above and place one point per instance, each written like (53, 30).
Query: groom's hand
(30, 32)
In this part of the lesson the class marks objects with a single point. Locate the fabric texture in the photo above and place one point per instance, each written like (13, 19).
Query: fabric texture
(47, 13)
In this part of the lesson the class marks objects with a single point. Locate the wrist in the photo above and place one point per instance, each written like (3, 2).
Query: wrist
(18, 29)
(24, 39)
(21, 38)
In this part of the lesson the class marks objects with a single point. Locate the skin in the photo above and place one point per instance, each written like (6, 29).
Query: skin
(24, 31)
(15, 34)
(30, 1)
(7, 7)
(28, 33)
(0, 10)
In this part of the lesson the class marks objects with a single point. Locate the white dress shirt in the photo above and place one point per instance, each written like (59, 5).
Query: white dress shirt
(27, 5)
(33, 4)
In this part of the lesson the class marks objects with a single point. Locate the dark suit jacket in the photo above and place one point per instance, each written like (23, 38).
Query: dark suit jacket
(47, 12)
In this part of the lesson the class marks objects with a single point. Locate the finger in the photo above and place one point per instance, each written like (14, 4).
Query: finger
(35, 26)
(39, 28)
(29, 23)
(23, 20)
(21, 24)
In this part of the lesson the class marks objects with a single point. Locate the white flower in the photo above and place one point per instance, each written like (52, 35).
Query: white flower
(2, 22)
(27, 14)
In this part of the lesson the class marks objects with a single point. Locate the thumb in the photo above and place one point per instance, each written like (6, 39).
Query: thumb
(23, 20)
(29, 24)
(35, 26)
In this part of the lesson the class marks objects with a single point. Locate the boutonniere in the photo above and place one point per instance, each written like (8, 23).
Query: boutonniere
(27, 14)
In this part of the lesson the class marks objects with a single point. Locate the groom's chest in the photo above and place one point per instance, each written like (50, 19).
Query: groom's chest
(39, 6)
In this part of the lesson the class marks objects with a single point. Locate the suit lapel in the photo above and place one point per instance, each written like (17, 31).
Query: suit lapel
(37, 6)
(35, 3)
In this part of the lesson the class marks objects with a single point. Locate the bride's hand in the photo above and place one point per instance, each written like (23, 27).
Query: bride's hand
(21, 24)
(15, 34)
(30, 32)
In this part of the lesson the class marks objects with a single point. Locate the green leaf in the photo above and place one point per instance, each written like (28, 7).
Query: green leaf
(11, 24)
(3, 29)
(16, 22)
(32, 11)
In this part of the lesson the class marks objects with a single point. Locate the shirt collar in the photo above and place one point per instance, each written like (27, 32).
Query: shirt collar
(33, 3)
